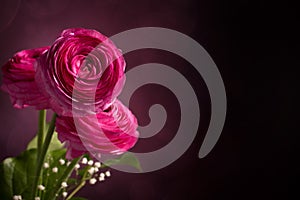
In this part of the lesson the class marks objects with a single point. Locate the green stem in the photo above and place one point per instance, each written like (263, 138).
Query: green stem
(42, 123)
(81, 185)
(76, 190)
(46, 181)
(43, 153)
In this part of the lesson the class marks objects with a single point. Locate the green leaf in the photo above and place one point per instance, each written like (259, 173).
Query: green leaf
(126, 159)
(24, 173)
(16, 175)
(57, 154)
(6, 177)
(54, 145)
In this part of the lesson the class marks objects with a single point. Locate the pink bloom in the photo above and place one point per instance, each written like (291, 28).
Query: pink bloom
(83, 71)
(19, 79)
(113, 131)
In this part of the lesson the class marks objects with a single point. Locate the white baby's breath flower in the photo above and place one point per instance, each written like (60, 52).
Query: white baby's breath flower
(91, 162)
(97, 164)
(93, 181)
(91, 171)
(54, 169)
(64, 185)
(62, 161)
(77, 166)
(46, 165)
(101, 178)
(84, 161)
(96, 169)
(64, 194)
(41, 187)
(107, 173)
(17, 197)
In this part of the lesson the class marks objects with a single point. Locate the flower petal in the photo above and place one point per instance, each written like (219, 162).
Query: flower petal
(19, 80)
(112, 132)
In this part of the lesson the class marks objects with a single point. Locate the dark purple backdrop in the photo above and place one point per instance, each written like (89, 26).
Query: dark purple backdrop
(249, 42)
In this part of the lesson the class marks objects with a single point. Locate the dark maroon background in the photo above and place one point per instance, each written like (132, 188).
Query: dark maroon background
(251, 44)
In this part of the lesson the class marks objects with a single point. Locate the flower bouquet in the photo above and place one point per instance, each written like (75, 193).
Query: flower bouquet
(79, 78)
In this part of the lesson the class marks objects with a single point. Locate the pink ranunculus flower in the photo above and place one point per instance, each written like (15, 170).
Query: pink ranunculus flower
(19, 79)
(112, 131)
(82, 73)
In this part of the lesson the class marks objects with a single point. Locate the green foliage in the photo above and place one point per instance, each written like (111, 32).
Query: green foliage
(55, 143)
(6, 178)
(17, 174)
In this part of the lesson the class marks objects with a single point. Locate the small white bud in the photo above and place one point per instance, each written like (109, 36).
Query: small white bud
(46, 165)
(93, 181)
(64, 184)
(37, 198)
(17, 197)
(91, 171)
(54, 169)
(102, 174)
(97, 164)
(77, 166)
(64, 194)
(62, 161)
(41, 187)
(68, 163)
(96, 169)
(107, 173)
(91, 162)
(84, 161)
(101, 178)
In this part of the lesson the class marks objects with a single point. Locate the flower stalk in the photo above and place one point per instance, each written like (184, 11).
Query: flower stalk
(43, 150)
(41, 130)
(81, 185)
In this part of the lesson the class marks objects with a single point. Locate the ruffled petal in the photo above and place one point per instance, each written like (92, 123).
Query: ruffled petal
(19, 80)
(112, 132)
(82, 73)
